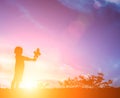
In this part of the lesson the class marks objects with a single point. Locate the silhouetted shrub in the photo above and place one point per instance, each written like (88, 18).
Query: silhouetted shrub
(90, 81)
(42, 85)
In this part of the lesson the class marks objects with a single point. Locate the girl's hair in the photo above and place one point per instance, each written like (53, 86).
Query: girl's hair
(18, 50)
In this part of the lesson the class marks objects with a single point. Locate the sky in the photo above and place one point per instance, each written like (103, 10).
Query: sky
(74, 36)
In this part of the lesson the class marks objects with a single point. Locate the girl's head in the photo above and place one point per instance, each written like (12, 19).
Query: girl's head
(18, 50)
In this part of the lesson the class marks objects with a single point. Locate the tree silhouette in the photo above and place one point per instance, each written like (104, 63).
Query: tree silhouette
(43, 84)
(90, 81)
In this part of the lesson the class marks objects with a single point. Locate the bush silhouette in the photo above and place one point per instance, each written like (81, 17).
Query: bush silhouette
(90, 81)
(43, 85)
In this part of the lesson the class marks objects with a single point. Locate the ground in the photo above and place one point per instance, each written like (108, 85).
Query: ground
(60, 93)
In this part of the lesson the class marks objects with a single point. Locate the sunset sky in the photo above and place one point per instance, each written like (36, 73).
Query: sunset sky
(75, 37)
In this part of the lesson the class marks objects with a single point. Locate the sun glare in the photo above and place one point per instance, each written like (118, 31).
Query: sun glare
(28, 84)
(5, 60)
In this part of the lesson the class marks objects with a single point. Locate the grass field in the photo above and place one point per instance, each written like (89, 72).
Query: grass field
(60, 93)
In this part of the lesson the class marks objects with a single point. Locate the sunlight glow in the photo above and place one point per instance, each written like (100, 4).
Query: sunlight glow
(4, 60)
(28, 84)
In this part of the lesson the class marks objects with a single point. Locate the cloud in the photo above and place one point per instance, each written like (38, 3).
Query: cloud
(88, 6)
(25, 12)
(114, 1)
(80, 5)
(28, 15)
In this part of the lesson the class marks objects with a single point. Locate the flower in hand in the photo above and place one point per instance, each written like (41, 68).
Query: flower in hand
(37, 53)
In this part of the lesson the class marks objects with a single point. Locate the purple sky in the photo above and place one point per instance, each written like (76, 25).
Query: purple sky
(81, 36)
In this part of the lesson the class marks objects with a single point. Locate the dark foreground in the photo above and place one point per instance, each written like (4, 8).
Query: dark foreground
(60, 93)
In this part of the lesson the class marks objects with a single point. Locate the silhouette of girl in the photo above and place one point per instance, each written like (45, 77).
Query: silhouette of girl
(19, 65)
